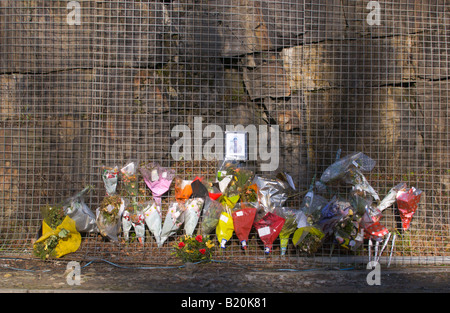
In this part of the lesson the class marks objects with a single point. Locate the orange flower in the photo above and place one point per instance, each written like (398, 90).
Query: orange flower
(181, 245)
(202, 251)
(199, 238)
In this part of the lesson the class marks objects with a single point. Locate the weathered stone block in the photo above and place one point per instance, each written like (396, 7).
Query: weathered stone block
(363, 62)
(266, 77)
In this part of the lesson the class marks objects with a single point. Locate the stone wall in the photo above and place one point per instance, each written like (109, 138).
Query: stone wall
(113, 87)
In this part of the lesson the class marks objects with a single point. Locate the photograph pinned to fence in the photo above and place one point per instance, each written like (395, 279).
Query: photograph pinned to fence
(236, 145)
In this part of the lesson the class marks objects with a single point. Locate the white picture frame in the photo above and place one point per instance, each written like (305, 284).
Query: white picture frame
(236, 145)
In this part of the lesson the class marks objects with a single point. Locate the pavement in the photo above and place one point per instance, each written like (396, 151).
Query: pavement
(35, 276)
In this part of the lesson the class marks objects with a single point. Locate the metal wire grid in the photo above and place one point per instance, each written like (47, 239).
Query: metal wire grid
(76, 97)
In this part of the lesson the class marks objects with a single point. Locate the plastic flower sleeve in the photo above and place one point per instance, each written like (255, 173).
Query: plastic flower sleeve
(210, 217)
(391, 197)
(308, 239)
(172, 222)
(243, 218)
(110, 177)
(133, 216)
(76, 209)
(183, 189)
(338, 169)
(225, 228)
(292, 217)
(269, 227)
(58, 241)
(158, 179)
(332, 214)
(153, 219)
(271, 192)
(193, 208)
(130, 179)
(407, 203)
(108, 216)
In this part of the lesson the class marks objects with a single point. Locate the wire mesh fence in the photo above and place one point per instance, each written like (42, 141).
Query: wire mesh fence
(87, 84)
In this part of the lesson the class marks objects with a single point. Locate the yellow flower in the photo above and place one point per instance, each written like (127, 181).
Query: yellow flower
(189, 251)
(209, 244)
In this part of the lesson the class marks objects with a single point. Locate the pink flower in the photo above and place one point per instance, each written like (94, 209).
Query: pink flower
(202, 251)
(181, 245)
(199, 238)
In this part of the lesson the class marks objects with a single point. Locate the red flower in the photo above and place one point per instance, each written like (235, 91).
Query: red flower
(181, 245)
(202, 251)
(199, 238)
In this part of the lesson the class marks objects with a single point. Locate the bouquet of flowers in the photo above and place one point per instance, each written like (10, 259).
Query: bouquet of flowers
(108, 216)
(193, 208)
(243, 217)
(153, 219)
(174, 219)
(308, 239)
(269, 227)
(271, 193)
(157, 179)
(407, 203)
(225, 227)
(130, 180)
(193, 249)
(110, 176)
(292, 217)
(133, 216)
(210, 218)
(76, 209)
(59, 234)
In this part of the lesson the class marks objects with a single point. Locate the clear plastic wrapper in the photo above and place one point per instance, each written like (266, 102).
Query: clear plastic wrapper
(130, 179)
(391, 197)
(271, 192)
(108, 216)
(308, 239)
(210, 217)
(76, 209)
(110, 177)
(243, 218)
(268, 228)
(158, 179)
(292, 217)
(193, 209)
(153, 219)
(173, 221)
(333, 213)
(339, 169)
(133, 216)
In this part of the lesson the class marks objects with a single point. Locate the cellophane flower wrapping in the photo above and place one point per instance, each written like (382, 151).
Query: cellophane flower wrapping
(193, 209)
(183, 189)
(243, 217)
(225, 228)
(108, 216)
(407, 203)
(271, 193)
(308, 239)
(133, 216)
(268, 228)
(77, 209)
(210, 217)
(57, 240)
(158, 179)
(292, 217)
(173, 221)
(332, 214)
(110, 177)
(153, 219)
(130, 179)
